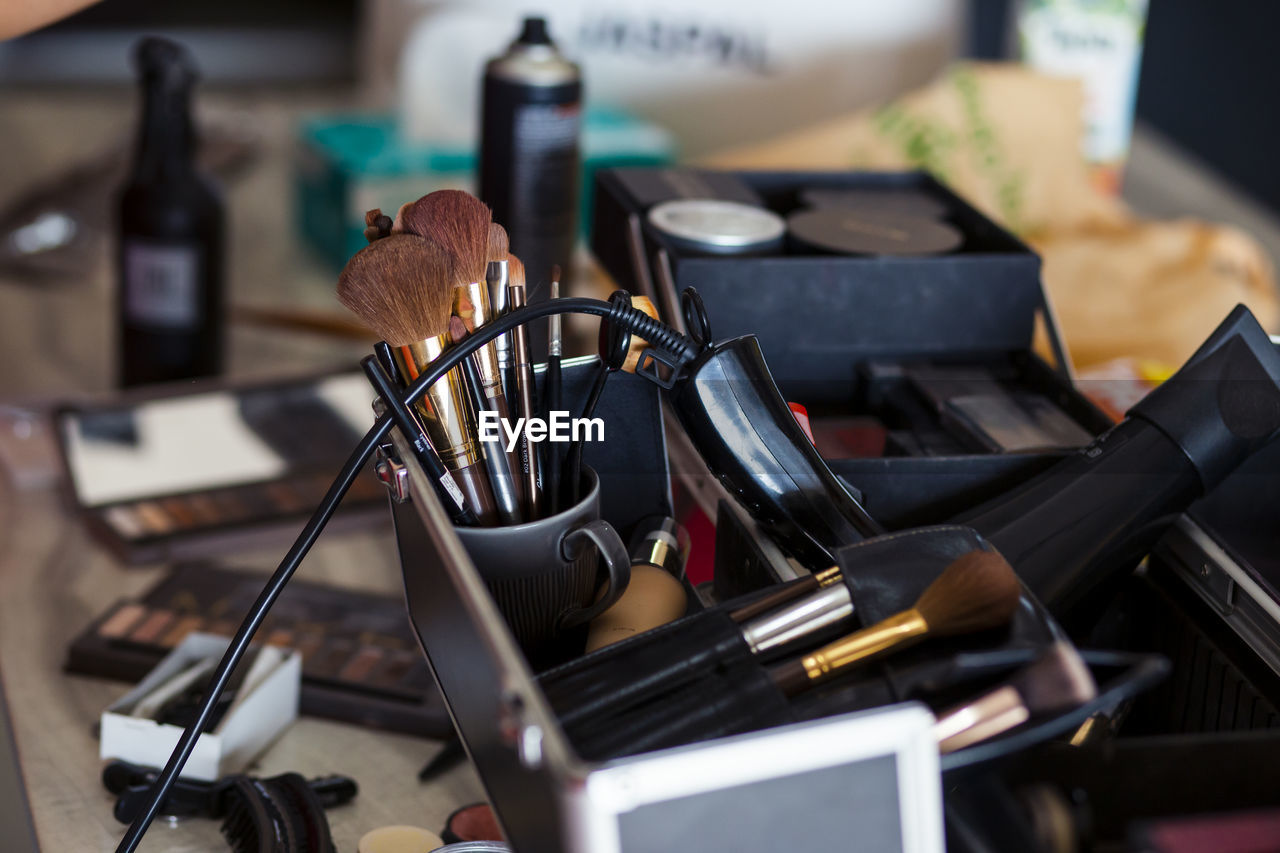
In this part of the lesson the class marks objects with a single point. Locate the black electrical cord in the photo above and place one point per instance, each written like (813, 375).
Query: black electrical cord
(656, 333)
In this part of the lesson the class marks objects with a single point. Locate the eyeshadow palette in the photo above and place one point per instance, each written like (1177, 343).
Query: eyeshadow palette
(360, 660)
(164, 475)
(154, 521)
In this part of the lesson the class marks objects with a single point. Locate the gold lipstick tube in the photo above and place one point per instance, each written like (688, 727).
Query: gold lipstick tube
(450, 424)
(471, 305)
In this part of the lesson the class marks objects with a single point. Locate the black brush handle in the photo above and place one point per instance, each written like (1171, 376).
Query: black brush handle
(573, 457)
(450, 495)
(554, 395)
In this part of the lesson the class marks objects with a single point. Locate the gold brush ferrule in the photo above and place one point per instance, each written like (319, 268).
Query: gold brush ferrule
(985, 717)
(827, 577)
(865, 645)
(471, 305)
(445, 408)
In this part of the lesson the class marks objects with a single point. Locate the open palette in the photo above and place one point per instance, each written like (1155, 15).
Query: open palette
(181, 474)
(360, 660)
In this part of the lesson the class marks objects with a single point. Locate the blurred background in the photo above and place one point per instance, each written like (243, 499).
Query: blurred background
(312, 113)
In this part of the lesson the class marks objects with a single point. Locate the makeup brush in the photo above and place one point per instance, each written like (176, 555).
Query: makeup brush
(787, 592)
(376, 225)
(496, 461)
(495, 280)
(451, 496)
(498, 249)
(388, 361)
(553, 395)
(460, 223)
(495, 284)
(522, 367)
(978, 591)
(401, 286)
(1056, 682)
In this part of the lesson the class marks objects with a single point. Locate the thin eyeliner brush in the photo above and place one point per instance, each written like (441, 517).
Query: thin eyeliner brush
(553, 394)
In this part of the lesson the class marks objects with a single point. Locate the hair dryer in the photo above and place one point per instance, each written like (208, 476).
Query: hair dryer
(1099, 511)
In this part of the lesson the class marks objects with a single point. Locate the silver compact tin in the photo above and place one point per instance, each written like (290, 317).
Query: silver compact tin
(718, 227)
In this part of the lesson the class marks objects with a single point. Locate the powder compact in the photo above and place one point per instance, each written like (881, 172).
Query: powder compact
(855, 232)
(719, 227)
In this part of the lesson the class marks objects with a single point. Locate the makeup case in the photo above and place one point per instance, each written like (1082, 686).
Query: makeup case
(726, 775)
(935, 351)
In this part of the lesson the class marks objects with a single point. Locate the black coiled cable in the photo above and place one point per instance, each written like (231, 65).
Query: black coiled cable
(656, 333)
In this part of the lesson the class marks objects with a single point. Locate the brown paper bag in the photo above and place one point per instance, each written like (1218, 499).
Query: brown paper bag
(1008, 140)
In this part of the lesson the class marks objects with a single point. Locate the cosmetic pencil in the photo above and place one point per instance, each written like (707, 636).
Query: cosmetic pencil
(495, 457)
(552, 393)
(523, 368)
(450, 495)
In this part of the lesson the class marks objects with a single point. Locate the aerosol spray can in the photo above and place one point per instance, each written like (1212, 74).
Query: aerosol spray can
(529, 160)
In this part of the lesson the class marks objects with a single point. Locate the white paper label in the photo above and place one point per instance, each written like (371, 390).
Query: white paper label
(161, 285)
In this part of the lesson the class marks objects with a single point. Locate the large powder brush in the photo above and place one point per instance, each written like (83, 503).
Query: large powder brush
(977, 592)
(403, 286)
(400, 286)
(459, 223)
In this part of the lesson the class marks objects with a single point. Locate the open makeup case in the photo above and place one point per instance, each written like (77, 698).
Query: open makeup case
(923, 350)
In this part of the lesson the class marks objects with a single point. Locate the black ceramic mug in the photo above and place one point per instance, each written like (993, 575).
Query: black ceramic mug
(544, 575)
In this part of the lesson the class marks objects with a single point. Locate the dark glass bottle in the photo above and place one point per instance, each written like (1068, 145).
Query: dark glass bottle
(170, 250)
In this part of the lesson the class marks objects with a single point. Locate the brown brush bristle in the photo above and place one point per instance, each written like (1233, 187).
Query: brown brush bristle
(457, 329)
(515, 271)
(498, 243)
(401, 287)
(979, 590)
(555, 273)
(377, 225)
(397, 224)
(459, 222)
(1059, 680)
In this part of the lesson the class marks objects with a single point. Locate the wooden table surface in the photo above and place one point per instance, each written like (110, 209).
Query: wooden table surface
(55, 342)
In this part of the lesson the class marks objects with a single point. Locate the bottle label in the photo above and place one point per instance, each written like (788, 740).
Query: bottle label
(544, 173)
(162, 286)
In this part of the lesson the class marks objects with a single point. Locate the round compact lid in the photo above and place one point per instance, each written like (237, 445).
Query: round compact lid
(893, 201)
(852, 232)
(399, 839)
(711, 225)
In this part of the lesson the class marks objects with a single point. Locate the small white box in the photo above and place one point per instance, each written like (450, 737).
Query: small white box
(265, 706)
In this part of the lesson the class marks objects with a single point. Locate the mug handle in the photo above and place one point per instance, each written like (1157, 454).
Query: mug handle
(616, 560)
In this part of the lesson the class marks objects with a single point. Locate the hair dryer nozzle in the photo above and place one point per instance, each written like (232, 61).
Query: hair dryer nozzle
(1224, 404)
(733, 412)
